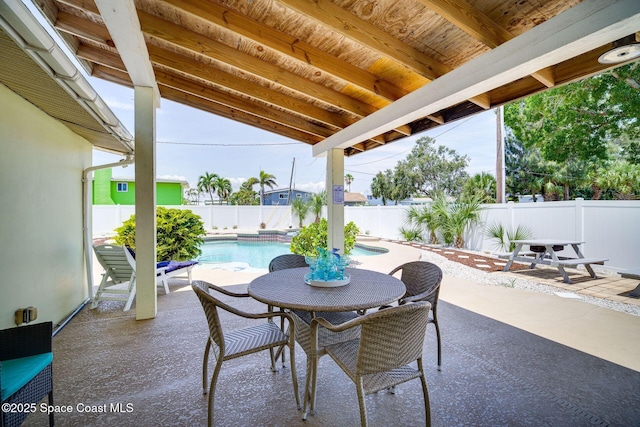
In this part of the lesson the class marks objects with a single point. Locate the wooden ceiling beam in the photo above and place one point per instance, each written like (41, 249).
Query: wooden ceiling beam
(481, 27)
(557, 40)
(292, 47)
(242, 25)
(122, 78)
(470, 20)
(88, 29)
(220, 79)
(237, 115)
(196, 43)
(361, 31)
(83, 28)
(88, 6)
(112, 75)
(217, 96)
(576, 68)
(404, 130)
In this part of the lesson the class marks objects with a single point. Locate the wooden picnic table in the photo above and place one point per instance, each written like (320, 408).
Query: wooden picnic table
(546, 254)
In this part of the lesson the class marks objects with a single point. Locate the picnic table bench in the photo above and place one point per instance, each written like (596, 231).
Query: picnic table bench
(633, 274)
(546, 255)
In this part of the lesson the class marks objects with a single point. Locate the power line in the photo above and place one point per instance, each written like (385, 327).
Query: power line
(409, 149)
(229, 144)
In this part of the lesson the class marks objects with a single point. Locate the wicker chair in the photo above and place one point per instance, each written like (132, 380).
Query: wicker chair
(25, 349)
(283, 262)
(286, 261)
(263, 336)
(422, 280)
(302, 319)
(390, 339)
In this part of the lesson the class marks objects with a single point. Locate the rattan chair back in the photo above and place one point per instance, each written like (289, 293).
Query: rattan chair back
(422, 280)
(286, 261)
(237, 343)
(210, 306)
(392, 338)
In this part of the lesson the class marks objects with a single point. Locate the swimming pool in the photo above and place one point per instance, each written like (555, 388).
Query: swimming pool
(255, 254)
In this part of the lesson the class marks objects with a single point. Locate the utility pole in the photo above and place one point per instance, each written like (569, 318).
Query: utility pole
(293, 165)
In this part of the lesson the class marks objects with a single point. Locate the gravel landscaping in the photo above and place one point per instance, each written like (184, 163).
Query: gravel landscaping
(458, 269)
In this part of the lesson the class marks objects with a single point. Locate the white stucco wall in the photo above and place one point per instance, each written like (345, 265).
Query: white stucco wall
(41, 255)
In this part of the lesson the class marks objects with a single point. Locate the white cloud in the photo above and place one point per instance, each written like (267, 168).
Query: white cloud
(113, 103)
(236, 183)
(314, 187)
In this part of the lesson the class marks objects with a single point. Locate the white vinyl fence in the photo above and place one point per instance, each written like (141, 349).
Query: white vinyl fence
(610, 229)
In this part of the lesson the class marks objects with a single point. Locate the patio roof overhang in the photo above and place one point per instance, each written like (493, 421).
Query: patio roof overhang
(309, 70)
(36, 68)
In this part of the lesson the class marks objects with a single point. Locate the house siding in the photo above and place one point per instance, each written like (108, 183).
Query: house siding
(105, 191)
(274, 197)
(167, 193)
(102, 187)
(41, 257)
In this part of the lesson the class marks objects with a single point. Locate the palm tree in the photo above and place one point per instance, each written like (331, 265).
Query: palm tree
(536, 185)
(348, 178)
(483, 185)
(249, 183)
(442, 212)
(207, 184)
(193, 194)
(223, 187)
(318, 200)
(462, 215)
(300, 208)
(265, 180)
(425, 218)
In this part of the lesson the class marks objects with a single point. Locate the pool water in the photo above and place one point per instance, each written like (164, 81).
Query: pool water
(256, 254)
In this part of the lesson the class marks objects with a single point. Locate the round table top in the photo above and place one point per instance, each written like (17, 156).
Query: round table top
(287, 289)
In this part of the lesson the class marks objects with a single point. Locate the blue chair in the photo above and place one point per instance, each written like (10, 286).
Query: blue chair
(25, 370)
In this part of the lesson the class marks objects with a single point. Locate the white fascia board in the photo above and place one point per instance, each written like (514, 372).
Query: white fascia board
(121, 19)
(23, 27)
(580, 29)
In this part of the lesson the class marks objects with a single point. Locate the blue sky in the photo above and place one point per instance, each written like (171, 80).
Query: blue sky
(191, 142)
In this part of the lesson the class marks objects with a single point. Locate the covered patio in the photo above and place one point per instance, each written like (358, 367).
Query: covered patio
(343, 77)
(493, 373)
(359, 89)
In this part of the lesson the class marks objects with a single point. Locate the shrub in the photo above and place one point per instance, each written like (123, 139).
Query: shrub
(505, 236)
(314, 236)
(179, 234)
(413, 234)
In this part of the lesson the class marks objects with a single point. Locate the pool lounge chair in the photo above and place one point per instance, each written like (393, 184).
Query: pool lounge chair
(119, 265)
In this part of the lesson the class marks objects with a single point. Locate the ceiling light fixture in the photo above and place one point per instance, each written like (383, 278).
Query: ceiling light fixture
(623, 50)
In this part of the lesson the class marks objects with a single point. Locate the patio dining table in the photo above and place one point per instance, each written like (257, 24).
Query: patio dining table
(547, 249)
(287, 289)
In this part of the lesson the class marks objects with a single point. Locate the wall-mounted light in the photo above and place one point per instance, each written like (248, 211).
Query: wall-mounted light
(623, 50)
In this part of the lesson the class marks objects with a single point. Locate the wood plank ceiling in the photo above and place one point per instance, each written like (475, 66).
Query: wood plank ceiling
(307, 69)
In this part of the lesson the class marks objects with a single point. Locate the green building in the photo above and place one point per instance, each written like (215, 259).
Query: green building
(122, 191)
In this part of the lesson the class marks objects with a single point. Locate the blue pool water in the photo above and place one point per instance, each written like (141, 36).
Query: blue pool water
(256, 254)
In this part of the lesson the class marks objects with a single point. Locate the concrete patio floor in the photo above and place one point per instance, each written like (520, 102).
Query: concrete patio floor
(510, 358)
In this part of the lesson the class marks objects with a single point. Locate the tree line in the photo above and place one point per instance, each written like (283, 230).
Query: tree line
(211, 184)
(578, 140)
